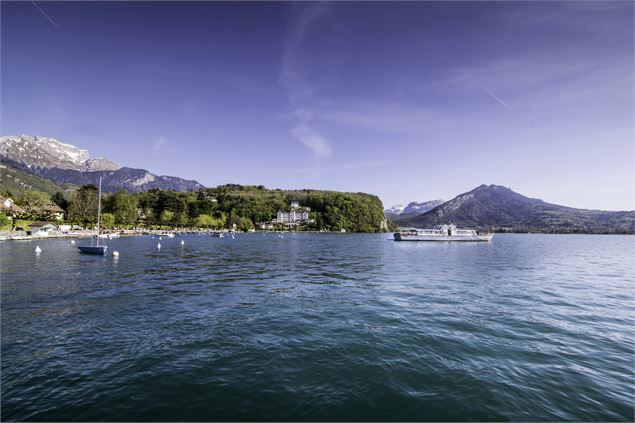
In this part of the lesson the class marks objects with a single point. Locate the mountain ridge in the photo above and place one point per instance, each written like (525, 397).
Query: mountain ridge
(509, 210)
(62, 163)
(412, 208)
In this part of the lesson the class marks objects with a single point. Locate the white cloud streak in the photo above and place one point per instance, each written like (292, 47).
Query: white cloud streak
(464, 72)
(300, 92)
(45, 14)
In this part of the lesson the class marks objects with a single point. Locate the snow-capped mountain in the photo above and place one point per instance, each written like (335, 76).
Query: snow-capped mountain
(396, 209)
(412, 208)
(420, 208)
(36, 151)
(66, 164)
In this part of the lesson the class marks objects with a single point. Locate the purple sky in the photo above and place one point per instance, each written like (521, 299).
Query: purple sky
(410, 101)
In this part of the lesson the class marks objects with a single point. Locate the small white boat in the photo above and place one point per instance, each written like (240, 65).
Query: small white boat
(167, 234)
(109, 236)
(448, 233)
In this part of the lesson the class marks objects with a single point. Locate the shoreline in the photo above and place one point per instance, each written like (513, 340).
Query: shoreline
(157, 232)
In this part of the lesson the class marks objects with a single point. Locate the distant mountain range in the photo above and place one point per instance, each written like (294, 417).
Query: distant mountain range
(507, 210)
(46, 164)
(412, 208)
(66, 164)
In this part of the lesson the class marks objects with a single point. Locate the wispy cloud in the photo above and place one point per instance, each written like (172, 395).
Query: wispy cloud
(301, 94)
(311, 139)
(162, 145)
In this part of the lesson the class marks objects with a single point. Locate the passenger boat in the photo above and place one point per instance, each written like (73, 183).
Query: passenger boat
(442, 233)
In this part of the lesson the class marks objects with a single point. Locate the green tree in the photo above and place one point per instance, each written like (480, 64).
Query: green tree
(246, 224)
(5, 221)
(33, 201)
(60, 199)
(107, 220)
(181, 219)
(204, 221)
(166, 217)
(124, 208)
(83, 205)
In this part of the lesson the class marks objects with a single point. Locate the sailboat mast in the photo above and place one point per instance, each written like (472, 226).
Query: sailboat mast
(99, 208)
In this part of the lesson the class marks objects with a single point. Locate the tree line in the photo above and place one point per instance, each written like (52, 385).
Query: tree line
(220, 207)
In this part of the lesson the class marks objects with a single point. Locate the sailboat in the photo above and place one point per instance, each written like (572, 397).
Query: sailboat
(94, 247)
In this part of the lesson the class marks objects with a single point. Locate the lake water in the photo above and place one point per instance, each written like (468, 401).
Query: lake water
(320, 327)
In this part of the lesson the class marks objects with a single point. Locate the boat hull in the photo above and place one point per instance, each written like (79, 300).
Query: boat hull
(442, 238)
(93, 249)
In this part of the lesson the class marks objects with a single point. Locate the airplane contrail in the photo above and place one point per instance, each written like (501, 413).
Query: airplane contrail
(464, 72)
(44, 13)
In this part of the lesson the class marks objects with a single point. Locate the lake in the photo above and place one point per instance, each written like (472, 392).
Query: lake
(320, 327)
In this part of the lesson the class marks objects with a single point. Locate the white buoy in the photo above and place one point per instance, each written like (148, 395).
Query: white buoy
(38, 249)
(160, 238)
(72, 241)
(182, 242)
(159, 246)
(115, 254)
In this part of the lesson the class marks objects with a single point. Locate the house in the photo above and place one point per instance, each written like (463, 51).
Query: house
(295, 215)
(53, 210)
(8, 206)
(42, 228)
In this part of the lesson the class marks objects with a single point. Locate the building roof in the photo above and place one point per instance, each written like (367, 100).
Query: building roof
(53, 208)
(41, 225)
(12, 207)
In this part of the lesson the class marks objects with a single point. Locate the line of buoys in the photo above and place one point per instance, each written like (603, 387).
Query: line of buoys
(38, 249)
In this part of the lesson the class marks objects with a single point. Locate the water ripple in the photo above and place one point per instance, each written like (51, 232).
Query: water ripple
(320, 327)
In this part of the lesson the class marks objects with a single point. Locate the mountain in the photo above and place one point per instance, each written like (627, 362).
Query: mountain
(16, 182)
(508, 210)
(395, 210)
(411, 208)
(420, 208)
(43, 152)
(66, 164)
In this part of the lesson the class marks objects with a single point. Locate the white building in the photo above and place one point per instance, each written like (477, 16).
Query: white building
(42, 228)
(296, 214)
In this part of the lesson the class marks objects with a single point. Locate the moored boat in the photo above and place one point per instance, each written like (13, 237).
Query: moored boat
(448, 233)
(95, 248)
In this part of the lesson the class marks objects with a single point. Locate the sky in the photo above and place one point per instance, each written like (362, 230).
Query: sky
(410, 101)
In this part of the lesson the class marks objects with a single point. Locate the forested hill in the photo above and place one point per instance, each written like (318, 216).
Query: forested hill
(226, 206)
(331, 210)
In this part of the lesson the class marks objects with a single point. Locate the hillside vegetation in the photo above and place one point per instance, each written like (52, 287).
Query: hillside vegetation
(17, 181)
(227, 206)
